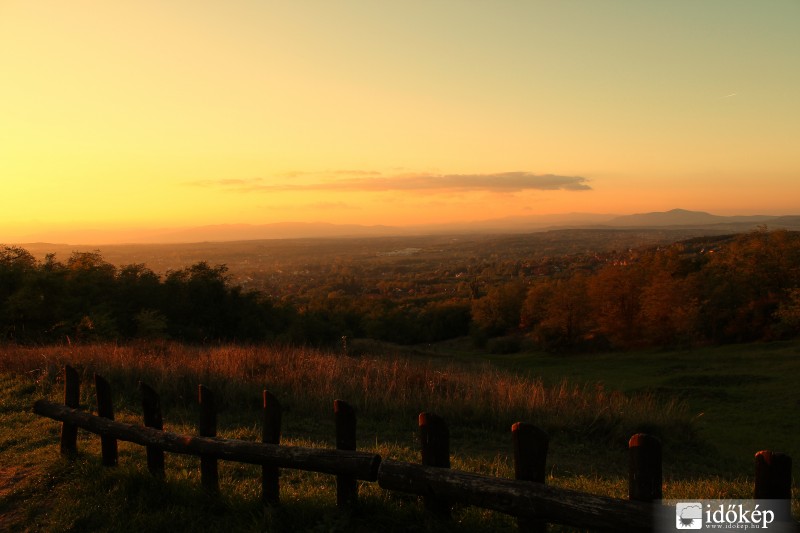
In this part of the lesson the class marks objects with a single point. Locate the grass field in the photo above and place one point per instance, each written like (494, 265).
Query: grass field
(588, 404)
(743, 398)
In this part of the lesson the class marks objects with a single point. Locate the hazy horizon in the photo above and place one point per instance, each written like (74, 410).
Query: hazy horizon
(135, 118)
(289, 230)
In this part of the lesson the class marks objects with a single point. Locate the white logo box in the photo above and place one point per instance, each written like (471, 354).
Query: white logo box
(772, 516)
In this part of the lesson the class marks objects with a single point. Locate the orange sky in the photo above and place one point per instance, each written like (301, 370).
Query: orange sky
(172, 114)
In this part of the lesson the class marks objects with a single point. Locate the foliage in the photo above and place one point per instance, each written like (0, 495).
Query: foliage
(741, 289)
(87, 299)
(709, 290)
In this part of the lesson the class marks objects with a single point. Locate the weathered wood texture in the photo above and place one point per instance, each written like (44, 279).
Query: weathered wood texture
(72, 398)
(345, 420)
(151, 409)
(207, 427)
(774, 482)
(271, 434)
(518, 498)
(434, 437)
(773, 476)
(530, 445)
(105, 409)
(645, 478)
(360, 465)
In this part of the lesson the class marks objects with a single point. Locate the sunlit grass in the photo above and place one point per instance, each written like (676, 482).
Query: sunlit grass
(589, 427)
(383, 389)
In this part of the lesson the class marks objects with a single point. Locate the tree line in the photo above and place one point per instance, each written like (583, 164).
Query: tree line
(88, 299)
(731, 289)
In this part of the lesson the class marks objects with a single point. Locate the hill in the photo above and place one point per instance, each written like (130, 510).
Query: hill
(682, 217)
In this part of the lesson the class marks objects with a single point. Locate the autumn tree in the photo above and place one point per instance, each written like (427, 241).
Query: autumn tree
(745, 284)
(789, 312)
(669, 308)
(614, 295)
(498, 312)
(444, 320)
(557, 313)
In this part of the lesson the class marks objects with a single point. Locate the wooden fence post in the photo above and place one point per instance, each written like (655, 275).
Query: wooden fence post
(271, 434)
(151, 408)
(645, 479)
(774, 481)
(72, 396)
(105, 409)
(209, 474)
(435, 440)
(530, 459)
(345, 420)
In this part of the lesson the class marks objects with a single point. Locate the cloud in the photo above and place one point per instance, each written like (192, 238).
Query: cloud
(369, 181)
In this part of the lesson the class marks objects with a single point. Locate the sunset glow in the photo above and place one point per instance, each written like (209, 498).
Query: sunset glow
(140, 115)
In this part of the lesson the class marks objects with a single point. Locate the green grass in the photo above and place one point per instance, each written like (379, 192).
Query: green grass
(588, 424)
(743, 398)
(41, 491)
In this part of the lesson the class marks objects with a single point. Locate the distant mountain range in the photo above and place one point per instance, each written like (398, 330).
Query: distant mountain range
(682, 217)
(676, 218)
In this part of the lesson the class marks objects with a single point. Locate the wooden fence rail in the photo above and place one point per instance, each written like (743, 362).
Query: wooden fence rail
(360, 465)
(525, 497)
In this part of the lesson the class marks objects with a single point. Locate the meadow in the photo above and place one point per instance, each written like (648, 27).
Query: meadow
(712, 408)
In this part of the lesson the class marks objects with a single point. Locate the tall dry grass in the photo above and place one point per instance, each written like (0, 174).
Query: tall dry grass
(382, 388)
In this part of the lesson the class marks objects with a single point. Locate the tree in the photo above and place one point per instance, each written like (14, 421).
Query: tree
(614, 293)
(90, 284)
(789, 312)
(498, 312)
(17, 266)
(534, 308)
(558, 314)
(439, 321)
(669, 309)
(197, 302)
(745, 284)
(138, 298)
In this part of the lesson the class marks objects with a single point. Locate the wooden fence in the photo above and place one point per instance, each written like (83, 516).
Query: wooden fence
(525, 497)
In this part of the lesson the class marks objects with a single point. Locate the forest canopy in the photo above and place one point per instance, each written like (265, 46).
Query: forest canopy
(712, 290)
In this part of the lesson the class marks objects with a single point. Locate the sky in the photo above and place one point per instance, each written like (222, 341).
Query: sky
(150, 114)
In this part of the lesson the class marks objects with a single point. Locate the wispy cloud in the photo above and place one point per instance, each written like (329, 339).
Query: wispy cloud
(370, 181)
